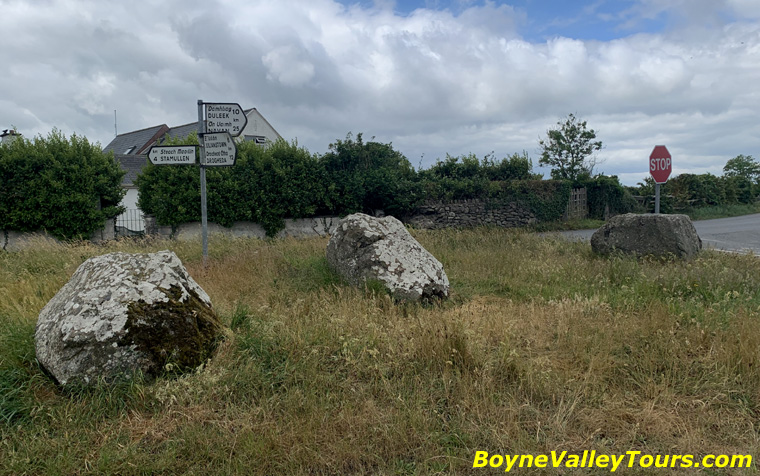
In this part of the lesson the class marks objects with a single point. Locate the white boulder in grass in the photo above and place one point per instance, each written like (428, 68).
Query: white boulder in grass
(122, 314)
(364, 248)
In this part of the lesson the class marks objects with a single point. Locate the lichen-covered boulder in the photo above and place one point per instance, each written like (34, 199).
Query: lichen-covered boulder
(364, 248)
(123, 313)
(657, 235)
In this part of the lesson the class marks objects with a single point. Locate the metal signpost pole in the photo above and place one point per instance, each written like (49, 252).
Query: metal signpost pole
(204, 216)
(657, 199)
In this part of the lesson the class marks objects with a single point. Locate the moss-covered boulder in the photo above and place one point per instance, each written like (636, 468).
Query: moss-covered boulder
(122, 314)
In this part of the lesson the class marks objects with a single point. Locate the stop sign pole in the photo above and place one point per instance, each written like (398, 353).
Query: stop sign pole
(660, 166)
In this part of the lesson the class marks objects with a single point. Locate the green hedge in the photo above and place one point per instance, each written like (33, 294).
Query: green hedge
(368, 176)
(690, 191)
(266, 185)
(607, 193)
(65, 186)
(547, 199)
(283, 180)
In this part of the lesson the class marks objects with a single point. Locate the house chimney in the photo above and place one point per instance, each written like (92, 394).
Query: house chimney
(8, 136)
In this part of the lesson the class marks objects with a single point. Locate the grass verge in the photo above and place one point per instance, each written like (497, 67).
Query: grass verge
(543, 346)
(723, 211)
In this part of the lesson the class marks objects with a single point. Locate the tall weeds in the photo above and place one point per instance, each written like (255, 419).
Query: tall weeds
(543, 346)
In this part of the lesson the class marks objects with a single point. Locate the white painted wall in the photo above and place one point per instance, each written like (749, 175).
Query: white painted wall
(258, 126)
(131, 218)
(130, 199)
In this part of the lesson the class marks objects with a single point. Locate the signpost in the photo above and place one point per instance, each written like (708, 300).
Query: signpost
(225, 117)
(172, 154)
(220, 149)
(223, 121)
(660, 167)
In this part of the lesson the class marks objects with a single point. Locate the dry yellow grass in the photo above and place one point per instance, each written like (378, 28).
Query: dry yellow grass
(542, 347)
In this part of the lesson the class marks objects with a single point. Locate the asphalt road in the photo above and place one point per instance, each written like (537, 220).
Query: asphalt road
(731, 234)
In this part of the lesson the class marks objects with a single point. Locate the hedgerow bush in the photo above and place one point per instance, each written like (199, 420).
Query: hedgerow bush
(496, 182)
(65, 186)
(686, 192)
(607, 193)
(465, 177)
(266, 185)
(547, 199)
(369, 176)
(284, 180)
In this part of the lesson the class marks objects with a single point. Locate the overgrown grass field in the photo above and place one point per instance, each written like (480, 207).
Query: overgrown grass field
(543, 346)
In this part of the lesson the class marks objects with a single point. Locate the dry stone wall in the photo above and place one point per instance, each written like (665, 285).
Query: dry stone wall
(469, 213)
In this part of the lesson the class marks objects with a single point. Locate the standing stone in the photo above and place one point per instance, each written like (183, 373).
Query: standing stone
(657, 235)
(364, 248)
(123, 313)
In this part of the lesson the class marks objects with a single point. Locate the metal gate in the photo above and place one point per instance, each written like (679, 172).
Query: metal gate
(130, 223)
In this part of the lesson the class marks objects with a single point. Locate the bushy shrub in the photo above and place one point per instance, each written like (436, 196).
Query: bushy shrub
(65, 186)
(691, 190)
(738, 189)
(606, 193)
(546, 199)
(171, 193)
(266, 185)
(369, 176)
(280, 181)
(465, 177)
(515, 167)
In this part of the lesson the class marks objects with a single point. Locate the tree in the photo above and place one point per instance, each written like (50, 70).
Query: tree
(569, 149)
(66, 186)
(369, 176)
(743, 166)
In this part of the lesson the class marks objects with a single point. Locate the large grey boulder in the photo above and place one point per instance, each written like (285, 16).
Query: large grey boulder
(364, 248)
(123, 313)
(657, 235)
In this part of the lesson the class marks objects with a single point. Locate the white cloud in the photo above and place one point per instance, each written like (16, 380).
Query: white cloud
(431, 82)
(288, 66)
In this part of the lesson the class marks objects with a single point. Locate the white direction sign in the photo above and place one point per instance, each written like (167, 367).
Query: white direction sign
(225, 117)
(172, 154)
(219, 149)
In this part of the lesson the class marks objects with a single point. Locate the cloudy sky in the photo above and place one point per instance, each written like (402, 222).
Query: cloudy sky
(431, 76)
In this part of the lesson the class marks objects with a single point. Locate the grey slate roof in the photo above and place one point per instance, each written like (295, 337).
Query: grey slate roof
(133, 165)
(137, 139)
(183, 130)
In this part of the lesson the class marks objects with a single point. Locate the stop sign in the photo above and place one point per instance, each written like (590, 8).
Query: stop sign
(660, 164)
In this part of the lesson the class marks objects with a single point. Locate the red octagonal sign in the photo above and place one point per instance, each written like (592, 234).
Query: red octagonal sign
(660, 164)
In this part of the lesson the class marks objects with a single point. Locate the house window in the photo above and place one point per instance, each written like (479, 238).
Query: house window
(257, 139)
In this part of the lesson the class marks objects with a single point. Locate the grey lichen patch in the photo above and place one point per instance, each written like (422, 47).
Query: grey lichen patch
(177, 333)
